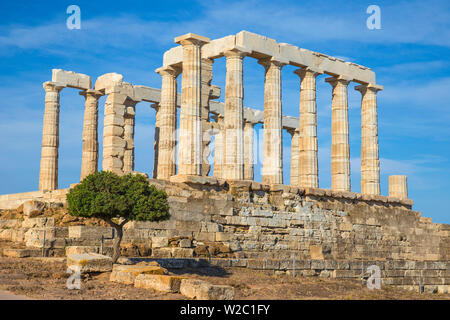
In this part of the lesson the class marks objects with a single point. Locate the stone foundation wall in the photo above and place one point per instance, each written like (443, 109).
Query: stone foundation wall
(285, 229)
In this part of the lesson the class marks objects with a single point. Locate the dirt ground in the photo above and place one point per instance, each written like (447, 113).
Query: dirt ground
(45, 278)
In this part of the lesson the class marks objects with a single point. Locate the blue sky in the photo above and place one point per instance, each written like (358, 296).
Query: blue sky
(409, 54)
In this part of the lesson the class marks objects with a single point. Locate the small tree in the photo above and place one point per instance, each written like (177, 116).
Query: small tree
(117, 200)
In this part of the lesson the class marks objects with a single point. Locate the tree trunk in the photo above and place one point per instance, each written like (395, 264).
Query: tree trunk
(117, 238)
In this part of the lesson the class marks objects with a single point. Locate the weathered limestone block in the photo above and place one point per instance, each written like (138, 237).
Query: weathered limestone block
(72, 79)
(90, 262)
(398, 187)
(82, 249)
(21, 253)
(33, 208)
(162, 283)
(202, 290)
(38, 222)
(160, 242)
(90, 232)
(127, 274)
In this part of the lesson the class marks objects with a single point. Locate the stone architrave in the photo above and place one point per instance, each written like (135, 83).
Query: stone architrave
(128, 136)
(48, 174)
(234, 115)
(370, 161)
(272, 172)
(308, 168)
(340, 147)
(89, 158)
(167, 124)
(398, 187)
(295, 139)
(190, 138)
(249, 158)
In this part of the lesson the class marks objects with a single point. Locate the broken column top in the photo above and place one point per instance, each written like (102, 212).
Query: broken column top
(108, 80)
(72, 79)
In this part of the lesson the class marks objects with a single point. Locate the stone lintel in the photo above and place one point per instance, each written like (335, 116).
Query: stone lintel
(72, 79)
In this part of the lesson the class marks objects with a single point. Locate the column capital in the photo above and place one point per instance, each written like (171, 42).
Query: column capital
(293, 131)
(50, 86)
(308, 71)
(91, 92)
(191, 39)
(276, 61)
(168, 70)
(155, 106)
(236, 52)
(370, 86)
(339, 79)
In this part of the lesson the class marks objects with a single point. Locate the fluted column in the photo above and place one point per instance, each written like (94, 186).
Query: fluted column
(272, 142)
(190, 143)
(48, 174)
(340, 147)
(398, 187)
(128, 136)
(295, 139)
(308, 170)
(234, 116)
(207, 75)
(89, 157)
(218, 147)
(167, 122)
(249, 136)
(370, 161)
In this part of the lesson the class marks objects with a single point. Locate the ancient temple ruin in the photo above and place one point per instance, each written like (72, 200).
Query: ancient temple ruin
(233, 125)
(260, 225)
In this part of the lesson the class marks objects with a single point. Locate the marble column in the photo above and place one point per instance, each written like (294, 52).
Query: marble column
(218, 147)
(295, 156)
(370, 161)
(167, 123)
(308, 168)
(234, 116)
(156, 140)
(89, 157)
(340, 147)
(206, 75)
(190, 140)
(398, 187)
(249, 137)
(128, 136)
(272, 172)
(48, 174)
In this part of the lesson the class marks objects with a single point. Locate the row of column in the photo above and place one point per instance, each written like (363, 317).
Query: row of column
(231, 159)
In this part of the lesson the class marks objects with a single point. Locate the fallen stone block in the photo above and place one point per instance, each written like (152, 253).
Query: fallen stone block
(90, 262)
(127, 274)
(162, 283)
(202, 290)
(33, 208)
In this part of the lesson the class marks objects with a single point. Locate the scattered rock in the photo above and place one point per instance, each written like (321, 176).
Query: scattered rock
(163, 283)
(202, 290)
(127, 274)
(90, 262)
(33, 208)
